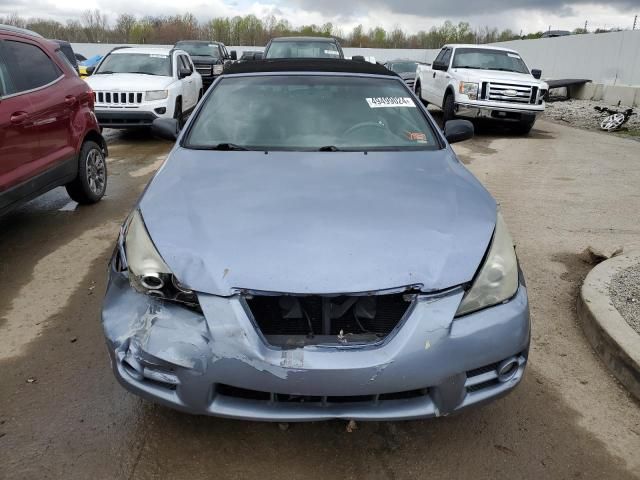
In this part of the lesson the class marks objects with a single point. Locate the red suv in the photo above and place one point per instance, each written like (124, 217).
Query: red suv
(49, 135)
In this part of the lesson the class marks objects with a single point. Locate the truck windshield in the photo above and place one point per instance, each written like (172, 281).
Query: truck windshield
(200, 49)
(488, 59)
(145, 63)
(303, 49)
(311, 113)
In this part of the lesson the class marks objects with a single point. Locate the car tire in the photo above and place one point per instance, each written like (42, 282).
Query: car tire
(178, 115)
(90, 184)
(448, 108)
(419, 94)
(524, 127)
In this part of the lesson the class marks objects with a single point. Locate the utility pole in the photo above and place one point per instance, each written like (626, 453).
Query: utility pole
(635, 22)
(586, 24)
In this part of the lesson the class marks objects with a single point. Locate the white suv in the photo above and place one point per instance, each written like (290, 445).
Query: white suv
(134, 86)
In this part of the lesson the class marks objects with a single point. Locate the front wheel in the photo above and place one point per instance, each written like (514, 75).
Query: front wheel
(178, 115)
(448, 107)
(419, 94)
(91, 182)
(523, 127)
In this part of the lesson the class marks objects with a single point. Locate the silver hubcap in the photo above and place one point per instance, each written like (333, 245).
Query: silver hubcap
(96, 171)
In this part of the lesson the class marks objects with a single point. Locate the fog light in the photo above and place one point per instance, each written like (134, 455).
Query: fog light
(161, 110)
(508, 369)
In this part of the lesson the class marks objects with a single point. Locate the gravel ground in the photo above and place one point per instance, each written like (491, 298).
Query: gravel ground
(581, 114)
(625, 293)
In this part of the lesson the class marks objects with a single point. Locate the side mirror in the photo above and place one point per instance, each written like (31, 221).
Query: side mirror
(234, 55)
(458, 130)
(91, 69)
(183, 72)
(537, 74)
(165, 128)
(258, 56)
(439, 66)
(358, 58)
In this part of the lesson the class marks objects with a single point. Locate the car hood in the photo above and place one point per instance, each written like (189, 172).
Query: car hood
(321, 222)
(126, 82)
(497, 76)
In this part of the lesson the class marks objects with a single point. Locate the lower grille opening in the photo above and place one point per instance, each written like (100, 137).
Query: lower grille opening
(483, 385)
(242, 393)
(295, 321)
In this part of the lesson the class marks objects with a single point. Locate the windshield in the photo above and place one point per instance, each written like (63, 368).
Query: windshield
(299, 49)
(311, 112)
(146, 63)
(486, 59)
(200, 49)
(403, 67)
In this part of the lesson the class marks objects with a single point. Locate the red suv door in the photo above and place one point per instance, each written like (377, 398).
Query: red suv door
(48, 117)
(18, 139)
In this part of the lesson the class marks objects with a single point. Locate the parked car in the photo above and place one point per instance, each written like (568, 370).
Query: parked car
(321, 253)
(303, 47)
(49, 136)
(89, 62)
(483, 82)
(406, 69)
(134, 86)
(249, 55)
(67, 49)
(208, 57)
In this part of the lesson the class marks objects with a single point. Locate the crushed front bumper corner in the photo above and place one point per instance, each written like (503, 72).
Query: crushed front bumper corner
(217, 363)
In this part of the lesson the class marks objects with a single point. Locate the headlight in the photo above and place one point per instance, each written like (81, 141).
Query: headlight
(156, 95)
(148, 273)
(217, 69)
(469, 89)
(497, 280)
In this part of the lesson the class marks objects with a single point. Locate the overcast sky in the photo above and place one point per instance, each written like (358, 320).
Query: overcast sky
(411, 15)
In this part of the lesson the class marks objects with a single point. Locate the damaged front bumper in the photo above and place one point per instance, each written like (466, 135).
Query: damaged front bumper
(218, 363)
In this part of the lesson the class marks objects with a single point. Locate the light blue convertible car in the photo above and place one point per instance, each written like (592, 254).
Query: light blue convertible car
(321, 253)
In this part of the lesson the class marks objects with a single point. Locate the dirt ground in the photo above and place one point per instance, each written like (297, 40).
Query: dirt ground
(62, 414)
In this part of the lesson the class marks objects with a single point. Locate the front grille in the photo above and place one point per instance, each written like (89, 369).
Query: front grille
(246, 394)
(410, 83)
(308, 316)
(203, 69)
(510, 93)
(118, 98)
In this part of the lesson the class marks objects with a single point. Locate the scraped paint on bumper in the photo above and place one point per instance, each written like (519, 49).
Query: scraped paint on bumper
(218, 363)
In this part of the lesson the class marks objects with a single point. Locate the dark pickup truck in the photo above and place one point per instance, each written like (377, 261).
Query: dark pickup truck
(208, 57)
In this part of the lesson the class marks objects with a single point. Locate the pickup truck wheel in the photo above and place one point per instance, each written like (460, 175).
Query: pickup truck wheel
(448, 107)
(178, 115)
(524, 127)
(91, 182)
(419, 95)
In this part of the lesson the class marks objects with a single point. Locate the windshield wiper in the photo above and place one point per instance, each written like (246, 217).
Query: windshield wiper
(105, 72)
(145, 73)
(329, 148)
(227, 147)
(503, 70)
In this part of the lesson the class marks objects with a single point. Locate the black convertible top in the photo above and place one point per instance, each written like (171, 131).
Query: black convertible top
(308, 65)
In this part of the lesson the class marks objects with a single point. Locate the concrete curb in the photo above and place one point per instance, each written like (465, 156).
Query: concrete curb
(609, 334)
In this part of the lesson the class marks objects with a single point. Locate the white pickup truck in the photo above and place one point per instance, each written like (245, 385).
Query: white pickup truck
(481, 81)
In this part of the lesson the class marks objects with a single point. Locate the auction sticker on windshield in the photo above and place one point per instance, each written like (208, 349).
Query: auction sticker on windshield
(390, 102)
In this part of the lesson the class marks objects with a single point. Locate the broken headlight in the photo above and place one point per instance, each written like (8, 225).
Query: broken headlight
(148, 273)
(497, 280)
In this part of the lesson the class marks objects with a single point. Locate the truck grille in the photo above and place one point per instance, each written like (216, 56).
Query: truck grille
(506, 92)
(297, 320)
(203, 69)
(119, 98)
(410, 83)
